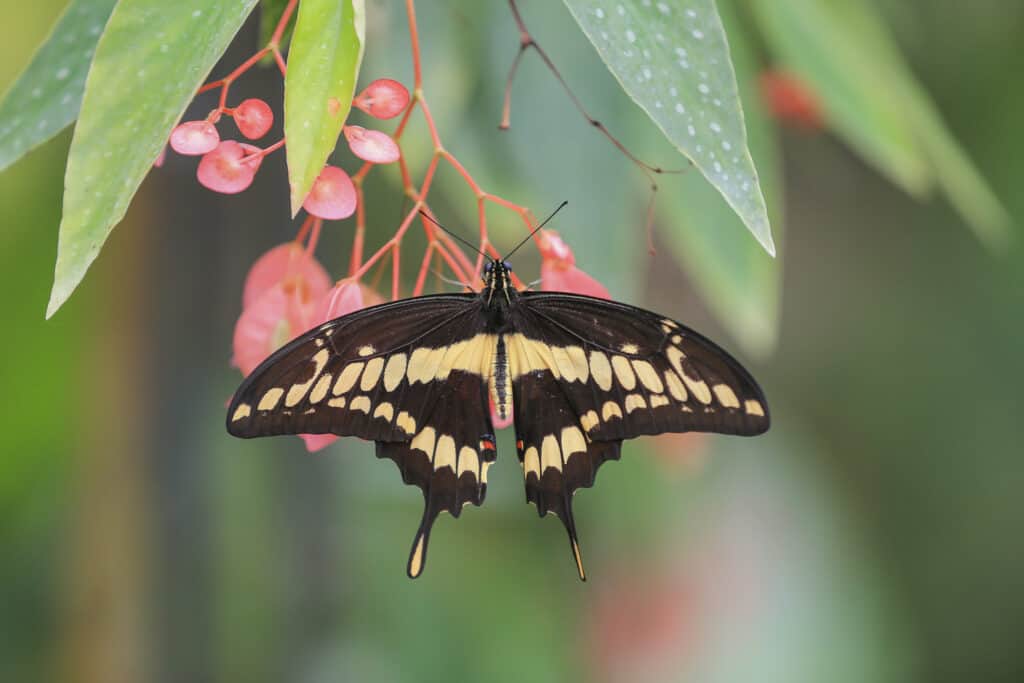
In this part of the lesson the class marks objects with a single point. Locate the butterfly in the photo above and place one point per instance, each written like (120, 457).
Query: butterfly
(577, 374)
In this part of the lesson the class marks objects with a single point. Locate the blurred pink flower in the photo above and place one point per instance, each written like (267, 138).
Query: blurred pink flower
(558, 271)
(281, 263)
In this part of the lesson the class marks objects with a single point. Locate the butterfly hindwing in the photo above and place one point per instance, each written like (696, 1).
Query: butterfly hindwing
(411, 375)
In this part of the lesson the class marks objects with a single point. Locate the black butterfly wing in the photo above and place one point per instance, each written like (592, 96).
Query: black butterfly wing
(411, 375)
(588, 373)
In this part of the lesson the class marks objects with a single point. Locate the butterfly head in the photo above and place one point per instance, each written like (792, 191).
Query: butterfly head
(497, 277)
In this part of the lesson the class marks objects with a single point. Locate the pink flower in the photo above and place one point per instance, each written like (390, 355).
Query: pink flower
(194, 138)
(253, 118)
(372, 145)
(333, 195)
(384, 98)
(558, 271)
(791, 100)
(283, 262)
(226, 168)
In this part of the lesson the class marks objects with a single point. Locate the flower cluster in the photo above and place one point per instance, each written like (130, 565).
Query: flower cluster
(287, 290)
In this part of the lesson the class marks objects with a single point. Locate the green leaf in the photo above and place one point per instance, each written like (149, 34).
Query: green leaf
(323, 66)
(46, 97)
(872, 100)
(673, 60)
(739, 281)
(149, 62)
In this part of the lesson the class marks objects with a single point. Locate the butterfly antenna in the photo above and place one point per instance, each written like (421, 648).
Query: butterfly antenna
(534, 232)
(466, 242)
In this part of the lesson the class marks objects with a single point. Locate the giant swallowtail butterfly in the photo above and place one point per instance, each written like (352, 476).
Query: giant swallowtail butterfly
(577, 374)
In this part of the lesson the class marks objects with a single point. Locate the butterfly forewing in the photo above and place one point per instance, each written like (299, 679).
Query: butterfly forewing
(410, 375)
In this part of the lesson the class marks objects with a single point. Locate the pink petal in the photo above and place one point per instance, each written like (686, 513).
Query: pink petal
(253, 118)
(555, 278)
(344, 298)
(283, 262)
(558, 271)
(372, 145)
(333, 195)
(223, 170)
(161, 157)
(317, 442)
(194, 137)
(261, 329)
(384, 98)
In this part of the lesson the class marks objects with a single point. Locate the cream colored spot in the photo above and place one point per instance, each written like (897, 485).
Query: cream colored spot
(531, 460)
(572, 442)
(631, 349)
(753, 407)
(526, 355)
(423, 363)
(406, 423)
(385, 410)
(297, 391)
(726, 396)
(666, 328)
(676, 339)
(371, 374)
(698, 388)
(337, 402)
(550, 456)
(394, 372)
(270, 399)
(609, 410)
(416, 560)
(645, 371)
(635, 402)
(675, 386)
(319, 342)
(601, 370)
(243, 411)
(624, 372)
(483, 471)
(366, 350)
(565, 366)
(671, 323)
(468, 461)
(320, 388)
(675, 357)
(578, 359)
(659, 400)
(444, 456)
(360, 403)
(347, 378)
(589, 420)
(424, 441)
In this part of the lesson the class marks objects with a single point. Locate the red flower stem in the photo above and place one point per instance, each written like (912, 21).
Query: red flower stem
(421, 278)
(314, 236)
(304, 230)
(263, 152)
(275, 38)
(396, 250)
(414, 42)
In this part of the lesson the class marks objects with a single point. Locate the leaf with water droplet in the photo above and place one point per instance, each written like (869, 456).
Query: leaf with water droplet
(46, 97)
(739, 281)
(673, 60)
(323, 66)
(873, 101)
(151, 59)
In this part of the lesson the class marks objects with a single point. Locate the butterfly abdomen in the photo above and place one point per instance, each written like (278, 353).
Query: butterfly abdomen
(501, 378)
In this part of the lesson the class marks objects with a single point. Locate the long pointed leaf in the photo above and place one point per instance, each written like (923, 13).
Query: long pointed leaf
(47, 95)
(149, 62)
(323, 66)
(673, 60)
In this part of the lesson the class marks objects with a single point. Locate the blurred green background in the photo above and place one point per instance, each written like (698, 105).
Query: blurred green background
(875, 534)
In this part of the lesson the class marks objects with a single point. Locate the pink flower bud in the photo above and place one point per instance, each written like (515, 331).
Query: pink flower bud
(333, 195)
(226, 168)
(383, 99)
(372, 145)
(253, 118)
(194, 138)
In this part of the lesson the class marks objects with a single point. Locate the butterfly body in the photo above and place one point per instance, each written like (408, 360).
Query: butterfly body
(577, 374)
